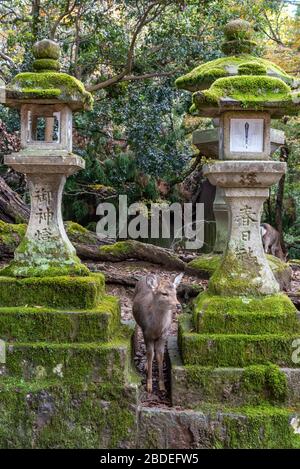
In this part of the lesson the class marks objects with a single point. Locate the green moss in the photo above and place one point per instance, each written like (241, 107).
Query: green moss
(252, 68)
(45, 64)
(79, 234)
(229, 315)
(237, 277)
(118, 249)
(32, 324)
(204, 75)
(269, 378)
(35, 93)
(48, 415)
(52, 257)
(238, 46)
(237, 350)
(233, 349)
(71, 362)
(205, 264)
(259, 427)
(46, 84)
(248, 90)
(46, 269)
(11, 234)
(253, 385)
(54, 292)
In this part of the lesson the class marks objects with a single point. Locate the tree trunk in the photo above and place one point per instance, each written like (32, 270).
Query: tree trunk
(12, 207)
(89, 247)
(130, 249)
(279, 201)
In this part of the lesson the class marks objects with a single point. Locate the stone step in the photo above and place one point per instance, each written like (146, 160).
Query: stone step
(235, 350)
(216, 427)
(195, 385)
(60, 292)
(268, 315)
(70, 362)
(39, 324)
(53, 414)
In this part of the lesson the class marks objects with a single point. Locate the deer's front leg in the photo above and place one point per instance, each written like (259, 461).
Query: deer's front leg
(149, 355)
(159, 350)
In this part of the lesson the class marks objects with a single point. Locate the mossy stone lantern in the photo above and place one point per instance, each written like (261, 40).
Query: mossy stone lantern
(243, 92)
(46, 99)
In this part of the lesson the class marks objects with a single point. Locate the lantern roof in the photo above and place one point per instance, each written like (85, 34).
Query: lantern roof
(241, 80)
(46, 84)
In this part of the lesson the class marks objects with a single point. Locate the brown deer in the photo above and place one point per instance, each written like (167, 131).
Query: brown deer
(154, 301)
(271, 241)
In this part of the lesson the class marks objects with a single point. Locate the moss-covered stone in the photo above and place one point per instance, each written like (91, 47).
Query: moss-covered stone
(46, 65)
(194, 385)
(74, 362)
(52, 257)
(238, 47)
(54, 292)
(237, 277)
(255, 92)
(46, 49)
(206, 264)
(250, 315)
(238, 29)
(36, 324)
(252, 68)
(47, 414)
(11, 234)
(203, 76)
(259, 427)
(237, 350)
(50, 84)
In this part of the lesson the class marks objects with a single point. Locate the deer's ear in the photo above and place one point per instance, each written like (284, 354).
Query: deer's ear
(177, 280)
(151, 281)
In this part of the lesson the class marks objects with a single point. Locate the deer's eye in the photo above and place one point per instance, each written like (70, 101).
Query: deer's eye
(164, 294)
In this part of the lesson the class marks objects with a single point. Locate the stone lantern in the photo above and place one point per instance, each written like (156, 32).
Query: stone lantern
(63, 348)
(242, 92)
(46, 99)
(242, 330)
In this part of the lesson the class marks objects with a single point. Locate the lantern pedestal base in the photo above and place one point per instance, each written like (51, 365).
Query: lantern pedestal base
(45, 249)
(221, 217)
(244, 269)
(205, 265)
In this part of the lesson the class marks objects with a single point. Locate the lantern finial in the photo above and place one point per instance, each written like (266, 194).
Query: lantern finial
(239, 38)
(46, 53)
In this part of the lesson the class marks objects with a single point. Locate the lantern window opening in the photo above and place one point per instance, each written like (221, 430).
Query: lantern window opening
(43, 127)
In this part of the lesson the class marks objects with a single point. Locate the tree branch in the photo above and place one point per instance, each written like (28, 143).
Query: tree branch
(68, 10)
(7, 59)
(144, 20)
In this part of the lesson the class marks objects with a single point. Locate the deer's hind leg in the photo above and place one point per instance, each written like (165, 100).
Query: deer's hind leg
(159, 352)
